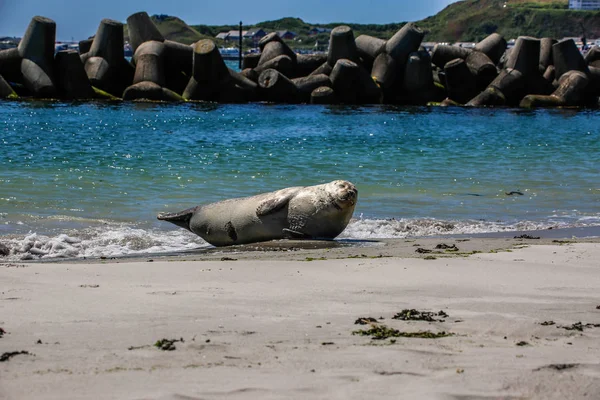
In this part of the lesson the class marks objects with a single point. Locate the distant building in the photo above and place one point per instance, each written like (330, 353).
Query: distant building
(232, 36)
(255, 35)
(235, 35)
(288, 35)
(584, 4)
(316, 30)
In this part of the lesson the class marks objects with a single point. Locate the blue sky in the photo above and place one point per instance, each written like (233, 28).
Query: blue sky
(79, 19)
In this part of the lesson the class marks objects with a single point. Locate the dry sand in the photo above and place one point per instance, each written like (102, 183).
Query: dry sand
(278, 324)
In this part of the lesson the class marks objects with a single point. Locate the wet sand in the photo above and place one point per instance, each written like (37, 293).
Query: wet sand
(521, 320)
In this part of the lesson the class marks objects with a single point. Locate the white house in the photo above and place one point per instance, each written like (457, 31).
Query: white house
(584, 4)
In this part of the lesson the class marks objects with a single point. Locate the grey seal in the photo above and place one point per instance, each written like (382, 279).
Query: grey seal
(310, 212)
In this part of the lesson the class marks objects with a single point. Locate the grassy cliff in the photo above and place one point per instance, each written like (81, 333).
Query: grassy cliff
(472, 20)
(174, 28)
(467, 20)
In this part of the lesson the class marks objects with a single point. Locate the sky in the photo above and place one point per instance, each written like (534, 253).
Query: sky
(79, 19)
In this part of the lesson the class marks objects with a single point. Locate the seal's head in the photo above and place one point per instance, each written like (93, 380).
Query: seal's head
(344, 193)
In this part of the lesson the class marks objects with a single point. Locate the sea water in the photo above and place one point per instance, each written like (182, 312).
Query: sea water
(87, 179)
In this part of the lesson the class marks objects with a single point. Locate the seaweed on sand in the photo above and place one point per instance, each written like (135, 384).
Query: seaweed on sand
(167, 344)
(578, 326)
(382, 332)
(416, 315)
(8, 355)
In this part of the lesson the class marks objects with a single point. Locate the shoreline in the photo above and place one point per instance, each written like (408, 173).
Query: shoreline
(351, 248)
(523, 321)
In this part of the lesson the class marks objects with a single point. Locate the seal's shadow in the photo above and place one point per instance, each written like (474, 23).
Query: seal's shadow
(285, 245)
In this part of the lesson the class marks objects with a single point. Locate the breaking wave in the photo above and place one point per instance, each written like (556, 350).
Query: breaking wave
(100, 243)
(118, 240)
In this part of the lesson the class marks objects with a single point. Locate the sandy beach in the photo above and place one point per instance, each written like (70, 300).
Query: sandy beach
(508, 319)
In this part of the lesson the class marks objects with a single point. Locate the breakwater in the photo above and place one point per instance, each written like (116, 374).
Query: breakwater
(355, 70)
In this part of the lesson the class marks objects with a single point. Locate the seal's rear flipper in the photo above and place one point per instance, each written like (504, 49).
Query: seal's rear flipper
(181, 218)
(290, 234)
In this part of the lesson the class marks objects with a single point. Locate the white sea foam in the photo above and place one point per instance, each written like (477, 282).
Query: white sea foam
(402, 228)
(114, 239)
(98, 242)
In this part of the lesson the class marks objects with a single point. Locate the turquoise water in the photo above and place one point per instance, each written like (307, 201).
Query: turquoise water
(90, 178)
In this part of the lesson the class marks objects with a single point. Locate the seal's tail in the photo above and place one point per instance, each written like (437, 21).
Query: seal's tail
(181, 218)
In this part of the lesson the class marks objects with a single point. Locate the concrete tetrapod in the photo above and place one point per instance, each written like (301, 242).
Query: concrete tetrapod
(525, 55)
(344, 79)
(369, 48)
(567, 57)
(508, 87)
(85, 45)
(550, 74)
(418, 85)
(142, 29)
(546, 58)
(178, 65)
(177, 57)
(6, 91)
(307, 84)
(250, 61)
(149, 78)
(404, 42)
(325, 68)
(273, 37)
(442, 54)
(251, 74)
(482, 68)
(37, 57)
(520, 76)
(209, 72)
(323, 95)
(307, 63)
(281, 63)
(273, 49)
(341, 45)
(211, 79)
(71, 78)
(384, 72)
(353, 84)
(460, 85)
(277, 87)
(104, 63)
(492, 46)
(10, 65)
(593, 55)
(593, 89)
(570, 92)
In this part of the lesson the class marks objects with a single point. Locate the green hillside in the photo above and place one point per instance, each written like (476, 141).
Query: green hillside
(467, 20)
(472, 20)
(174, 28)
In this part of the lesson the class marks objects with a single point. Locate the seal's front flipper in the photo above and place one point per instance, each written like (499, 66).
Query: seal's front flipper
(274, 204)
(181, 218)
(290, 234)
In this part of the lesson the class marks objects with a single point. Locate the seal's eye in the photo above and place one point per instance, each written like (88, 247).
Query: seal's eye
(341, 185)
